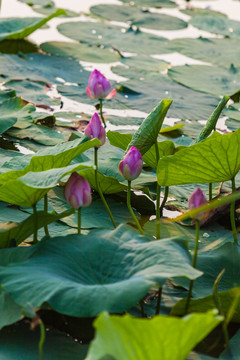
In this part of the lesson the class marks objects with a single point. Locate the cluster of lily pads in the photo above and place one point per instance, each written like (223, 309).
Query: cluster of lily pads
(154, 288)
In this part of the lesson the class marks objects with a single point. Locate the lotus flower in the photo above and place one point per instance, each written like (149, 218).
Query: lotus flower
(95, 129)
(77, 191)
(131, 165)
(99, 87)
(197, 199)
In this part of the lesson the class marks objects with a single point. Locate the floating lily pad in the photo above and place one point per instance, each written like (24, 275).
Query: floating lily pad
(151, 87)
(220, 52)
(145, 62)
(166, 337)
(20, 28)
(34, 91)
(138, 17)
(153, 3)
(233, 112)
(209, 79)
(217, 25)
(40, 67)
(17, 46)
(114, 284)
(193, 11)
(110, 35)
(81, 52)
(10, 111)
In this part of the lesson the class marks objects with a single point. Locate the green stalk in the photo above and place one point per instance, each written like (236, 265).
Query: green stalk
(79, 220)
(218, 306)
(42, 340)
(99, 188)
(194, 264)
(158, 197)
(232, 214)
(164, 199)
(131, 210)
(101, 113)
(35, 225)
(159, 301)
(46, 211)
(210, 191)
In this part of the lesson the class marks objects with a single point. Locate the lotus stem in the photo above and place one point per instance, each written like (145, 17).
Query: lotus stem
(232, 214)
(194, 264)
(101, 113)
(158, 213)
(79, 220)
(46, 211)
(42, 340)
(131, 210)
(99, 188)
(35, 225)
(159, 301)
(164, 199)
(210, 191)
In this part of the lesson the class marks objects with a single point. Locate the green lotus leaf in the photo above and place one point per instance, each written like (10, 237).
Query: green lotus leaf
(217, 25)
(138, 17)
(162, 337)
(212, 263)
(208, 79)
(104, 270)
(20, 28)
(96, 33)
(212, 160)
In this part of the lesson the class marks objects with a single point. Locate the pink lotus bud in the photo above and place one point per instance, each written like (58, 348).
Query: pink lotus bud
(99, 87)
(77, 191)
(95, 129)
(131, 165)
(197, 199)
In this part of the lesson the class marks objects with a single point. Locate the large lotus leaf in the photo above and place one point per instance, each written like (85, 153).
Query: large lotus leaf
(162, 337)
(215, 159)
(34, 91)
(138, 17)
(217, 25)
(209, 79)
(47, 3)
(48, 158)
(233, 351)
(115, 36)
(212, 263)
(11, 110)
(40, 134)
(226, 299)
(211, 237)
(81, 52)
(40, 67)
(220, 52)
(145, 89)
(15, 234)
(10, 312)
(20, 28)
(104, 270)
(19, 342)
(30, 188)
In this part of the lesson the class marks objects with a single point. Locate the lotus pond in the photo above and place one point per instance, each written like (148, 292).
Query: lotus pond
(119, 180)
